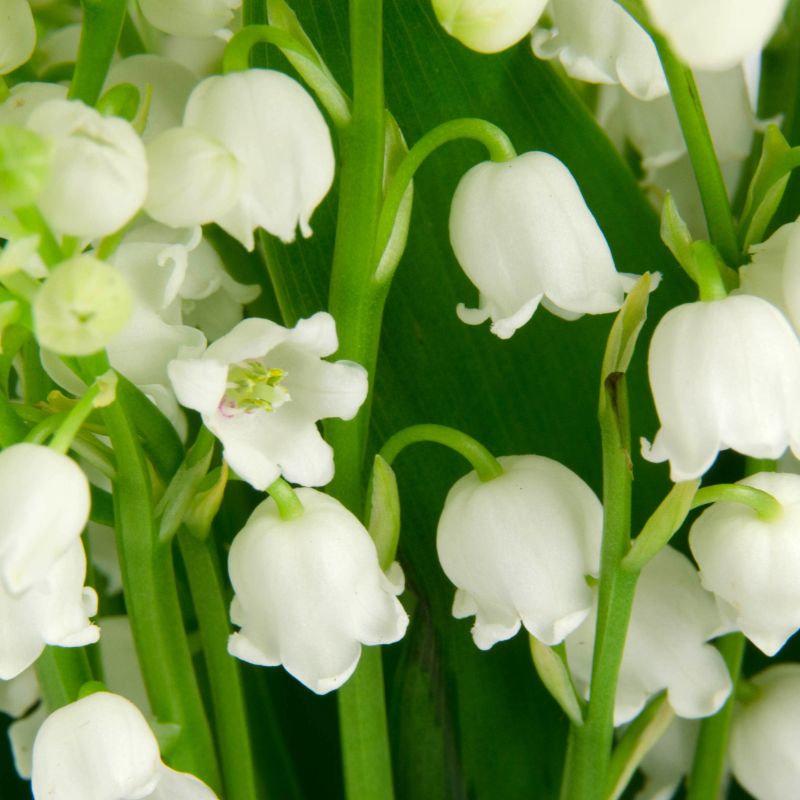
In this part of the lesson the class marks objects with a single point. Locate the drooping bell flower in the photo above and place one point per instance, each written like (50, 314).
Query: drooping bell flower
(523, 235)
(488, 26)
(724, 374)
(599, 42)
(716, 34)
(101, 747)
(254, 151)
(17, 34)
(765, 735)
(751, 564)
(98, 169)
(310, 592)
(665, 648)
(261, 390)
(518, 549)
(189, 17)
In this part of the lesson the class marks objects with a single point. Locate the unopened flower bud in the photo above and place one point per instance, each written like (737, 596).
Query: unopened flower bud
(24, 165)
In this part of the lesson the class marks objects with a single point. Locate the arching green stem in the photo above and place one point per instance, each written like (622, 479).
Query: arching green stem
(494, 138)
(289, 505)
(764, 504)
(483, 462)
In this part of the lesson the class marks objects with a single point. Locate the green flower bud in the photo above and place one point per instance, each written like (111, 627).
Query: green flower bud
(24, 166)
(81, 307)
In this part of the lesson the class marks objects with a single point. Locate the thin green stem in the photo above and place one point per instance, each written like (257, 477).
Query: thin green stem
(357, 307)
(152, 600)
(102, 25)
(236, 57)
(227, 691)
(49, 249)
(763, 503)
(69, 428)
(589, 752)
(494, 139)
(708, 768)
(289, 505)
(61, 671)
(483, 462)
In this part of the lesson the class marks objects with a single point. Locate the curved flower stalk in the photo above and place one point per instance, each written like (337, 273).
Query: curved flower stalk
(599, 42)
(261, 390)
(310, 592)
(523, 234)
(751, 564)
(192, 18)
(254, 151)
(519, 547)
(101, 747)
(765, 735)
(488, 26)
(98, 174)
(17, 35)
(724, 373)
(665, 648)
(715, 34)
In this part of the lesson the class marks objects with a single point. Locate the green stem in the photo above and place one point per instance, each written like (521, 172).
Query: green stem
(708, 767)
(483, 462)
(31, 218)
(494, 138)
(227, 692)
(152, 599)
(102, 24)
(707, 271)
(763, 503)
(589, 751)
(236, 57)
(289, 505)
(61, 671)
(357, 306)
(69, 428)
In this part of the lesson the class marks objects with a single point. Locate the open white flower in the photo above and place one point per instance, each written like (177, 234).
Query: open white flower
(55, 610)
(519, 548)
(765, 735)
(254, 151)
(488, 26)
(45, 500)
(523, 234)
(751, 564)
(261, 390)
(716, 34)
(724, 373)
(310, 592)
(17, 34)
(101, 747)
(672, 619)
(599, 42)
(98, 175)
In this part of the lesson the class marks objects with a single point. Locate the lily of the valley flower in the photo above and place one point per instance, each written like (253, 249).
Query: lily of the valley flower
(524, 235)
(488, 26)
(101, 747)
(716, 34)
(519, 548)
(254, 151)
(765, 735)
(261, 390)
(189, 17)
(724, 373)
(17, 34)
(599, 42)
(98, 173)
(310, 592)
(751, 564)
(672, 619)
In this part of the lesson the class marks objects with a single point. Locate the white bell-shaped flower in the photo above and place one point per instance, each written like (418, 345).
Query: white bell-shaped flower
(724, 373)
(261, 390)
(45, 500)
(518, 549)
(98, 175)
(55, 611)
(488, 26)
(23, 98)
(17, 34)
(599, 42)
(751, 564)
(672, 619)
(195, 18)
(254, 152)
(101, 747)
(716, 34)
(523, 234)
(310, 592)
(669, 760)
(765, 735)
